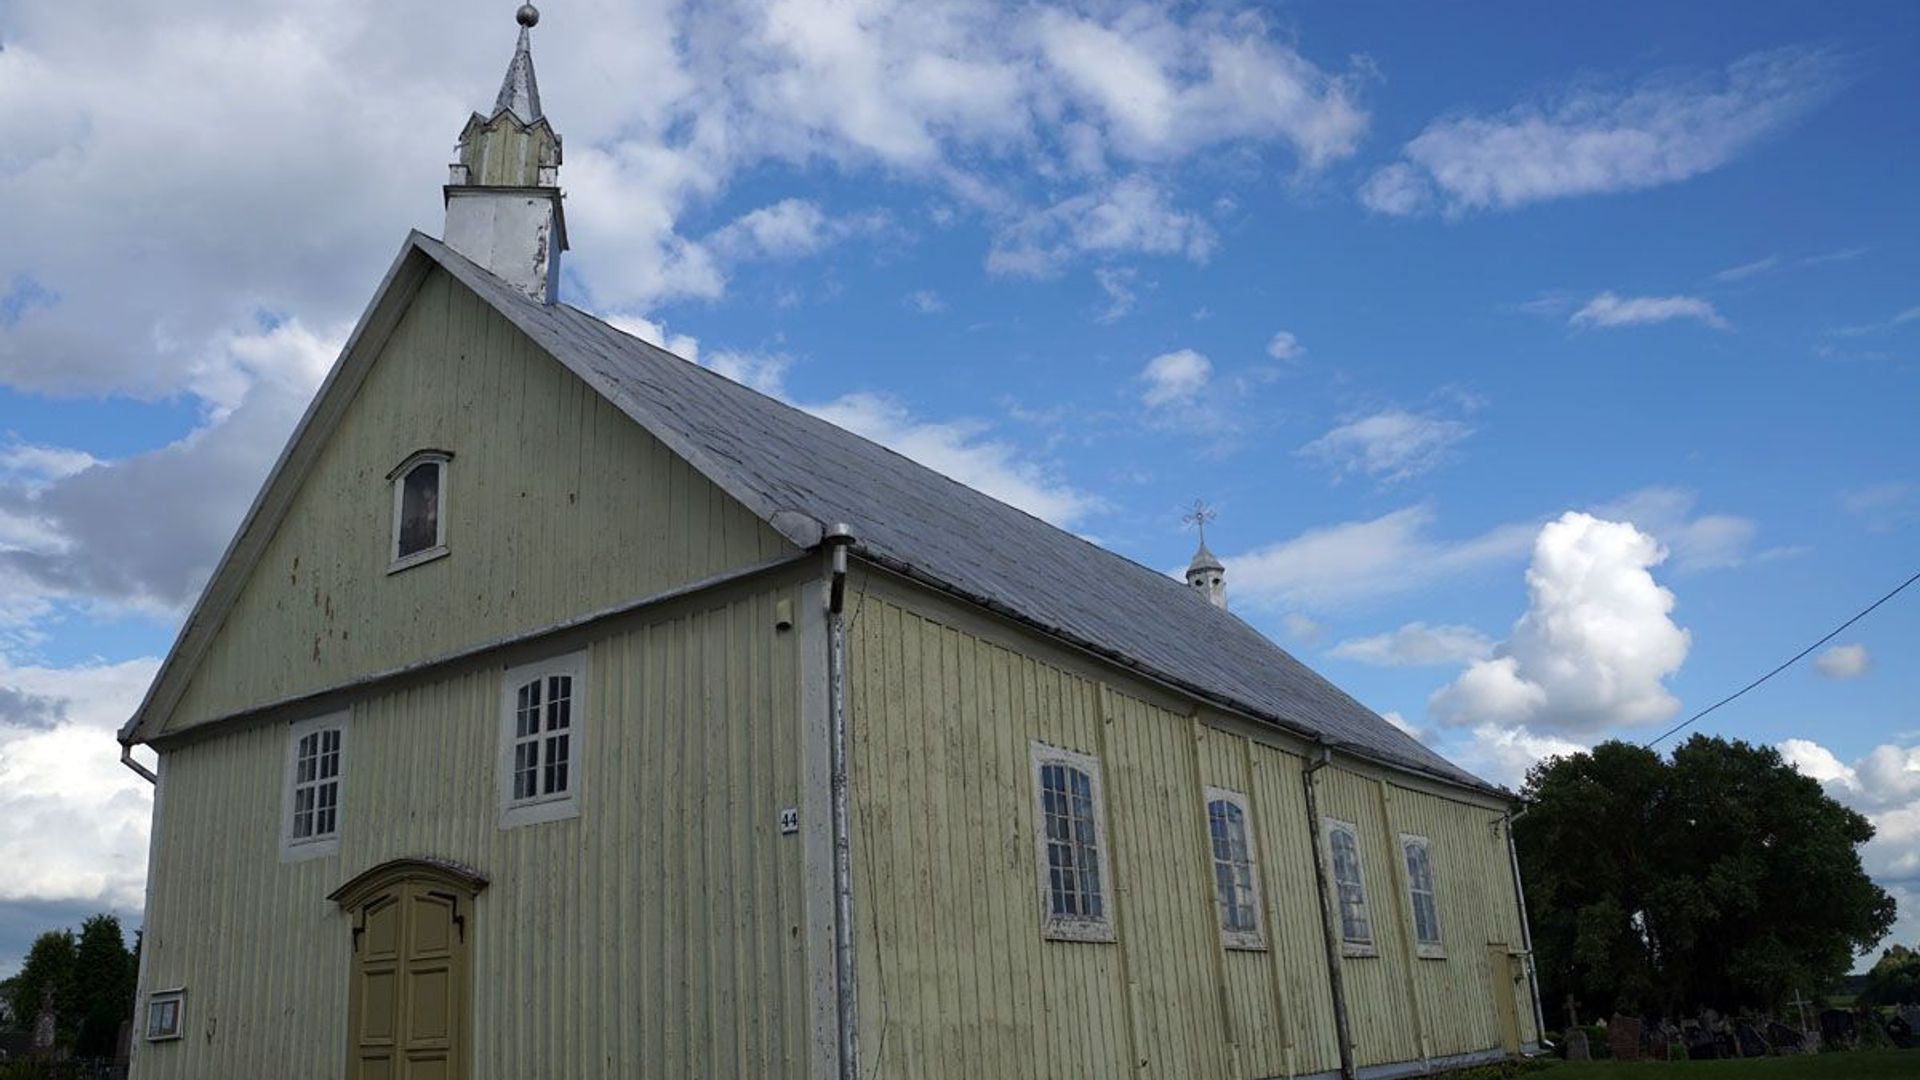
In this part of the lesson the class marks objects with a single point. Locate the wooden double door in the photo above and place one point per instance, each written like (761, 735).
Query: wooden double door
(410, 997)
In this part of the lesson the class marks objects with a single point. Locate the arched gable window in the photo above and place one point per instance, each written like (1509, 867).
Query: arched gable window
(419, 508)
(1236, 886)
(1071, 844)
(1350, 888)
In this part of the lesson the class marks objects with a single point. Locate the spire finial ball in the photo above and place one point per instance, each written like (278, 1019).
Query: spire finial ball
(528, 15)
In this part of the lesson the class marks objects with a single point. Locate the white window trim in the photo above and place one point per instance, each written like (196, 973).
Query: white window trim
(177, 995)
(397, 480)
(1253, 940)
(1426, 950)
(1369, 947)
(543, 808)
(312, 847)
(1062, 927)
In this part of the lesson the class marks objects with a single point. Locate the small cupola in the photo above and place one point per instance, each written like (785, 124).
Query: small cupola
(503, 194)
(1206, 573)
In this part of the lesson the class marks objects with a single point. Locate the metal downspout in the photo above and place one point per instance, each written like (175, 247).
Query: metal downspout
(126, 758)
(1335, 980)
(837, 540)
(1526, 930)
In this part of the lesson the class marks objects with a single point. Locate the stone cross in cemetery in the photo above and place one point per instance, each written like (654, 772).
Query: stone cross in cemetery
(1800, 1002)
(45, 1026)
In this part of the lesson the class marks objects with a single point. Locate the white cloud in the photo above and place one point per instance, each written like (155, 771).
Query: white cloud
(1885, 506)
(1302, 628)
(1117, 283)
(1156, 92)
(1595, 139)
(1175, 378)
(1885, 786)
(1356, 562)
(1696, 543)
(1285, 347)
(1747, 270)
(1401, 722)
(1390, 445)
(1844, 661)
(763, 371)
(1612, 310)
(1594, 648)
(962, 450)
(789, 229)
(76, 818)
(926, 302)
(1417, 644)
(1503, 753)
(1134, 216)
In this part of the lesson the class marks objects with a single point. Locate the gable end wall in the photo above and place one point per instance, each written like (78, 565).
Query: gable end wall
(558, 504)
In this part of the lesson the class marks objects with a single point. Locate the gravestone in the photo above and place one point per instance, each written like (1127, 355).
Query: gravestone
(1749, 1041)
(1577, 1046)
(1901, 1032)
(1623, 1038)
(1785, 1039)
(45, 1027)
(1837, 1028)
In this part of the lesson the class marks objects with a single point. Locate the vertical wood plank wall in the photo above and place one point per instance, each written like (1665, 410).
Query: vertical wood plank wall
(558, 504)
(658, 934)
(955, 977)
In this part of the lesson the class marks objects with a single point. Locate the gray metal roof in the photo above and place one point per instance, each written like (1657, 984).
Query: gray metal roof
(520, 91)
(802, 473)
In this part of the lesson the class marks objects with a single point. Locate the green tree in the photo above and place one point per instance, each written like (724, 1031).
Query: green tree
(104, 975)
(1894, 979)
(47, 975)
(1720, 877)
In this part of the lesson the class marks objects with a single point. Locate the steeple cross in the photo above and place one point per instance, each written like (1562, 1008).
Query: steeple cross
(1198, 517)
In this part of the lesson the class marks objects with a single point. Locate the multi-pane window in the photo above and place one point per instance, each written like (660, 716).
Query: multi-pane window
(1343, 846)
(163, 1014)
(316, 767)
(419, 508)
(542, 737)
(1071, 844)
(1236, 889)
(1426, 905)
(316, 784)
(540, 740)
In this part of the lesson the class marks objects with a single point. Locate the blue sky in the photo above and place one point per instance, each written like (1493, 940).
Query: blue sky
(1397, 288)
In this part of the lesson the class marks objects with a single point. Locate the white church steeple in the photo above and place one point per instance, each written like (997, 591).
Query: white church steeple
(1206, 573)
(503, 195)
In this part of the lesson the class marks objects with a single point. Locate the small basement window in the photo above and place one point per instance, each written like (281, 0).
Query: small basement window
(1236, 888)
(316, 762)
(1070, 841)
(1425, 901)
(164, 1008)
(419, 508)
(542, 706)
(1350, 887)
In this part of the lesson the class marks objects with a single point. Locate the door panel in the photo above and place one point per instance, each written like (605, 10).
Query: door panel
(408, 995)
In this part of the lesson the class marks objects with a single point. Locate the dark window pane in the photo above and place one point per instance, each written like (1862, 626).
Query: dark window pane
(420, 508)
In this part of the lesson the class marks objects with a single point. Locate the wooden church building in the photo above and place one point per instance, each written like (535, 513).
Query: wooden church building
(564, 710)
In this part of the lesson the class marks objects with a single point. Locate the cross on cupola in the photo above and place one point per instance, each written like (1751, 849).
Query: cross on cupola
(503, 194)
(1206, 572)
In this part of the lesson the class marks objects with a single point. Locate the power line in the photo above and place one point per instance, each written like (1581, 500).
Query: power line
(1696, 717)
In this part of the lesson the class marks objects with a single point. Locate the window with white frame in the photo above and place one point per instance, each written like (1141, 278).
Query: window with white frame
(1426, 903)
(542, 708)
(164, 1008)
(1236, 886)
(419, 508)
(316, 767)
(1350, 888)
(1070, 840)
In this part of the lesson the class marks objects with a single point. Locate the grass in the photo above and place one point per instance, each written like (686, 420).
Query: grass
(1858, 1065)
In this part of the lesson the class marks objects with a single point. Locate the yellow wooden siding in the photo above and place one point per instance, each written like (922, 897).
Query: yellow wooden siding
(955, 977)
(657, 934)
(558, 504)
(1473, 881)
